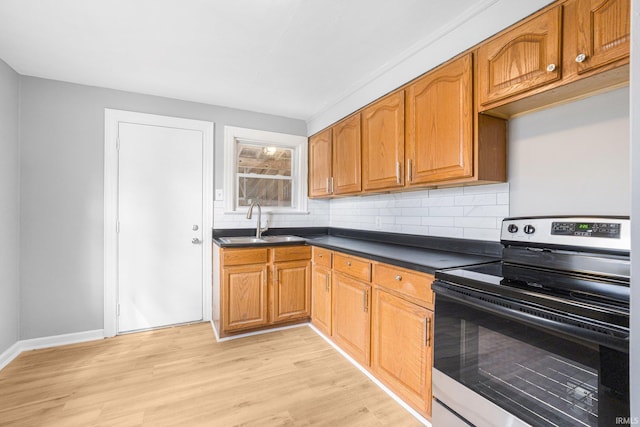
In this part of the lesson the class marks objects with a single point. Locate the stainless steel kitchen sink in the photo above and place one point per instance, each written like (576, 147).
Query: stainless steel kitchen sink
(242, 239)
(265, 240)
(286, 239)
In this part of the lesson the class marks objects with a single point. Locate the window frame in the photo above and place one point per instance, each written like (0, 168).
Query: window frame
(298, 145)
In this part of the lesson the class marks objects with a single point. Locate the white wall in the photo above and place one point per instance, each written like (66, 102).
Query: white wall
(483, 20)
(62, 137)
(9, 208)
(635, 211)
(572, 158)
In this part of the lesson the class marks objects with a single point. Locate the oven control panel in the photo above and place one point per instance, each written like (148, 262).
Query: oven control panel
(587, 229)
(590, 232)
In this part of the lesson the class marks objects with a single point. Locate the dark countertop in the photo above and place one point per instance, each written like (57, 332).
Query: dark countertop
(427, 260)
(421, 253)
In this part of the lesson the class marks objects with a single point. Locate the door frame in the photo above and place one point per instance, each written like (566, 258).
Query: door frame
(112, 119)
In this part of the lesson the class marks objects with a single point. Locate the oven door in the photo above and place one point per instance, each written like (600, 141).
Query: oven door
(495, 364)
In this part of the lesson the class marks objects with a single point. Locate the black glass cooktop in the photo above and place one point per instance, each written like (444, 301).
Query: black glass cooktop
(590, 296)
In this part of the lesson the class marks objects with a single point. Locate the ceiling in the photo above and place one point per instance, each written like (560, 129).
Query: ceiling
(292, 58)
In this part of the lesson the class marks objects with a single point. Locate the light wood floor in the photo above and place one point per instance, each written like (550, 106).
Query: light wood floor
(181, 377)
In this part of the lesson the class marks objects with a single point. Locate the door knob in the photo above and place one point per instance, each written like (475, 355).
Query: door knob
(195, 241)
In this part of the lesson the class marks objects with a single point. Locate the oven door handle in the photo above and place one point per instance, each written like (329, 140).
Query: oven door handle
(612, 337)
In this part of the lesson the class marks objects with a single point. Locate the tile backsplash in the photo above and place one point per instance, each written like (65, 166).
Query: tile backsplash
(473, 212)
(318, 216)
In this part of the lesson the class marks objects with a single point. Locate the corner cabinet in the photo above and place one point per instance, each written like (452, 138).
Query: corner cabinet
(261, 287)
(320, 164)
(439, 125)
(321, 291)
(382, 316)
(335, 160)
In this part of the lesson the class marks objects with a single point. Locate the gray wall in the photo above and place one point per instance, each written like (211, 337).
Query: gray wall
(62, 138)
(572, 158)
(9, 208)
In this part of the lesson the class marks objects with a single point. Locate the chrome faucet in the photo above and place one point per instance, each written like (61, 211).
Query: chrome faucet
(259, 229)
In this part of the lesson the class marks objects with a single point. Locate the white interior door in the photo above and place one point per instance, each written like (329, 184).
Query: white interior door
(160, 223)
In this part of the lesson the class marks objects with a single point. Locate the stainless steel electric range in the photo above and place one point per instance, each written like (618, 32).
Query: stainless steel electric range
(542, 337)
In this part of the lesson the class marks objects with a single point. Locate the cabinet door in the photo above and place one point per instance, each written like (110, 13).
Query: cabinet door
(346, 156)
(383, 143)
(351, 326)
(402, 348)
(604, 32)
(244, 297)
(440, 124)
(521, 59)
(321, 299)
(320, 164)
(291, 290)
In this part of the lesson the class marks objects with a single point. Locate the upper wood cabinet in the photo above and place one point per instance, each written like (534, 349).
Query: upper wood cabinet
(347, 177)
(335, 159)
(320, 159)
(439, 126)
(383, 143)
(603, 32)
(524, 57)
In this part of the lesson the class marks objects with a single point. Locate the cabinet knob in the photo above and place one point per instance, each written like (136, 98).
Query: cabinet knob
(398, 277)
(348, 263)
(319, 255)
(551, 67)
(581, 57)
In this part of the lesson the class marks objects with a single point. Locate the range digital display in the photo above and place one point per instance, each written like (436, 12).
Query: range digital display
(586, 229)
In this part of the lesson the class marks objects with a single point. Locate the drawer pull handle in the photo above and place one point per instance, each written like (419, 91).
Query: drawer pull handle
(348, 263)
(398, 277)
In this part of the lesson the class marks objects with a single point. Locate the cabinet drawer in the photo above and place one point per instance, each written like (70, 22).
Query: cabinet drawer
(244, 256)
(322, 257)
(410, 283)
(291, 253)
(355, 267)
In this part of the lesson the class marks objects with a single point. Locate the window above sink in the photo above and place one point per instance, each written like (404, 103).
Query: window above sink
(266, 166)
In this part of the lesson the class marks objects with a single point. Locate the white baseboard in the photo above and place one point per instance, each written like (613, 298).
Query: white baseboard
(45, 342)
(377, 382)
(9, 354)
(249, 334)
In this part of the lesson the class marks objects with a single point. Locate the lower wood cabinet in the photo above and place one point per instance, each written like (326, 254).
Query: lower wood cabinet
(291, 290)
(244, 297)
(351, 323)
(321, 291)
(402, 348)
(382, 316)
(261, 287)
